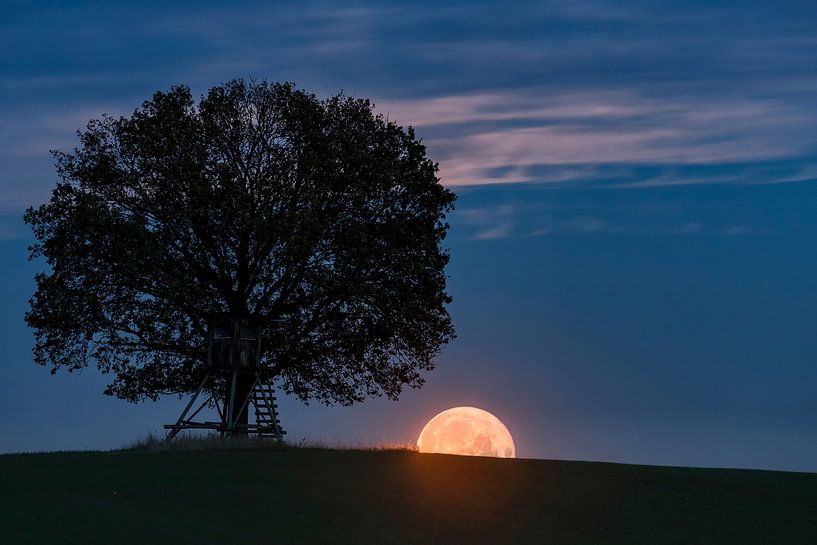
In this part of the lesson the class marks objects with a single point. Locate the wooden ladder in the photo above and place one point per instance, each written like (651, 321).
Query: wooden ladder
(266, 411)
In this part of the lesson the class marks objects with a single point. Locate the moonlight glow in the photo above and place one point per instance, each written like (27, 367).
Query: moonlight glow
(468, 431)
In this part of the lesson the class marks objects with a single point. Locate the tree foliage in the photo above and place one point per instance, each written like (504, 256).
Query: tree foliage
(318, 219)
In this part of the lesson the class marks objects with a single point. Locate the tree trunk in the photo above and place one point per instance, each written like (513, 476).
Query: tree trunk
(243, 389)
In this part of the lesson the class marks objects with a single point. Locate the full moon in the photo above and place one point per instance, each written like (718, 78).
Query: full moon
(468, 431)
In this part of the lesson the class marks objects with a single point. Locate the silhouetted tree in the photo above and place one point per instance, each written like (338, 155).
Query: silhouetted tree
(318, 219)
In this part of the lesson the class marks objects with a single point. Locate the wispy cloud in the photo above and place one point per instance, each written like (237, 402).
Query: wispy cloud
(516, 211)
(481, 140)
(555, 91)
(493, 233)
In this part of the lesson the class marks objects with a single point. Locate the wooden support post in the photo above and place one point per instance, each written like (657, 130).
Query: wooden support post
(230, 408)
(177, 428)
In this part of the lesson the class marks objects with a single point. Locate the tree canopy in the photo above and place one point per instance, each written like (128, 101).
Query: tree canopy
(320, 220)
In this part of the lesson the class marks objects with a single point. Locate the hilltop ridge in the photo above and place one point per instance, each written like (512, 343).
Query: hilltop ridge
(351, 497)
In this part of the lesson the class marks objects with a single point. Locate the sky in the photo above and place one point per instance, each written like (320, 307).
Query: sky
(634, 266)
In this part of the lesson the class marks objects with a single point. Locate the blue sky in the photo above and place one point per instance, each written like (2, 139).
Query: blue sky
(634, 263)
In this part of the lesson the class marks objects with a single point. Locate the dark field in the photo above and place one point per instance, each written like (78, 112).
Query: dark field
(359, 497)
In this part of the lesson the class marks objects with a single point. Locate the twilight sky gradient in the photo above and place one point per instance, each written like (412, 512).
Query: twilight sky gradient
(635, 244)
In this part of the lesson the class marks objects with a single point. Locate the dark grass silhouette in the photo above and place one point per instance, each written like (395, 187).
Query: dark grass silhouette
(256, 496)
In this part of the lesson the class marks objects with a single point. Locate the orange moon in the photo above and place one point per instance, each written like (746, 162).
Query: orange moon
(468, 431)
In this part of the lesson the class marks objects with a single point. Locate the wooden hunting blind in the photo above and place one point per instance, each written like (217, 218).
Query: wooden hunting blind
(234, 379)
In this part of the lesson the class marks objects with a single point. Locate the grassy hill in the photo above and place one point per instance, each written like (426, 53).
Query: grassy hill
(360, 497)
